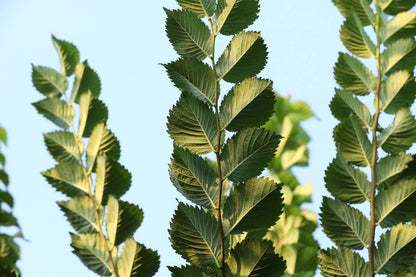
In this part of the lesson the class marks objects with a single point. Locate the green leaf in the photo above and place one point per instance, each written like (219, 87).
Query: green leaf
(86, 81)
(345, 226)
(113, 178)
(123, 219)
(6, 197)
(291, 158)
(193, 76)
(396, 250)
(4, 177)
(200, 7)
(248, 104)
(57, 111)
(80, 212)
(68, 54)
(100, 172)
(394, 204)
(192, 125)
(344, 104)
(68, 178)
(195, 236)
(194, 178)
(92, 113)
(347, 183)
(90, 249)
(342, 262)
(6, 271)
(247, 153)
(353, 142)
(244, 57)
(3, 135)
(63, 147)
(233, 16)
(255, 258)
(352, 75)
(7, 219)
(188, 34)
(397, 91)
(48, 81)
(400, 135)
(244, 208)
(401, 25)
(360, 7)
(394, 7)
(389, 169)
(355, 39)
(2, 160)
(102, 139)
(186, 271)
(137, 260)
(398, 55)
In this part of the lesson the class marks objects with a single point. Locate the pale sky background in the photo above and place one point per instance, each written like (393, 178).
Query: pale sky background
(124, 41)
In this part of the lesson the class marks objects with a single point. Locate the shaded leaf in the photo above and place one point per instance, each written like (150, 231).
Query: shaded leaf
(398, 55)
(360, 7)
(233, 16)
(188, 34)
(115, 177)
(48, 81)
(7, 219)
(86, 81)
(342, 262)
(389, 169)
(248, 104)
(186, 271)
(4, 177)
(63, 147)
(244, 208)
(6, 197)
(192, 125)
(397, 91)
(345, 226)
(68, 54)
(247, 153)
(244, 57)
(57, 111)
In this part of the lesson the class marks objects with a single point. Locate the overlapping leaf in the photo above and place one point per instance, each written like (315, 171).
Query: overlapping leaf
(193, 76)
(86, 81)
(192, 125)
(396, 6)
(347, 183)
(233, 16)
(248, 104)
(396, 91)
(91, 113)
(63, 147)
(200, 7)
(247, 153)
(188, 34)
(389, 169)
(244, 57)
(48, 81)
(401, 25)
(342, 262)
(398, 55)
(360, 7)
(345, 226)
(68, 54)
(57, 111)
(244, 208)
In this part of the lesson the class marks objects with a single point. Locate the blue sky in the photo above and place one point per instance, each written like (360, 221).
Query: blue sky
(124, 41)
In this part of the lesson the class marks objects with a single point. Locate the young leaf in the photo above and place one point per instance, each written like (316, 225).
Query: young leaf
(345, 226)
(57, 111)
(347, 183)
(200, 7)
(68, 54)
(193, 76)
(244, 57)
(243, 210)
(247, 153)
(233, 16)
(248, 104)
(255, 258)
(191, 125)
(48, 81)
(137, 260)
(91, 113)
(80, 212)
(342, 262)
(188, 34)
(195, 236)
(63, 147)
(91, 251)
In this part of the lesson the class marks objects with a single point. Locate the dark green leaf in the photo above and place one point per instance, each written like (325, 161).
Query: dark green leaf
(57, 111)
(399, 55)
(192, 125)
(92, 113)
(194, 178)
(248, 104)
(193, 76)
(187, 271)
(86, 81)
(6, 197)
(188, 34)
(389, 169)
(248, 152)
(233, 16)
(345, 226)
(360, 7)
(200, 7)
(393, 7)
(397, 91)
(342, 262)
(68, 54)
(244, 210)
(4, 177)
(48, 81)
(63, 147)
(244, 57)
(7, 219)
(114, 178)
(195, 236)
(347, 183)
(255, 258)
(137, 260)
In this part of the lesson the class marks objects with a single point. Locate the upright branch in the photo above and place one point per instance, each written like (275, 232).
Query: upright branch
(88, 171)
(229, 199)
(392, 187)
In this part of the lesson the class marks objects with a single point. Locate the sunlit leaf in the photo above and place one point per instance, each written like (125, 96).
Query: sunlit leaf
(86, 81)
(397, 55)
(68, 54)
(401, 25)
(389, 169)
(360, 7)
(395, 6)
(396, 92)
(200, 7)
(57, 111)
(91, 113)
(63, 146)
(342, 262)
(48, 81)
